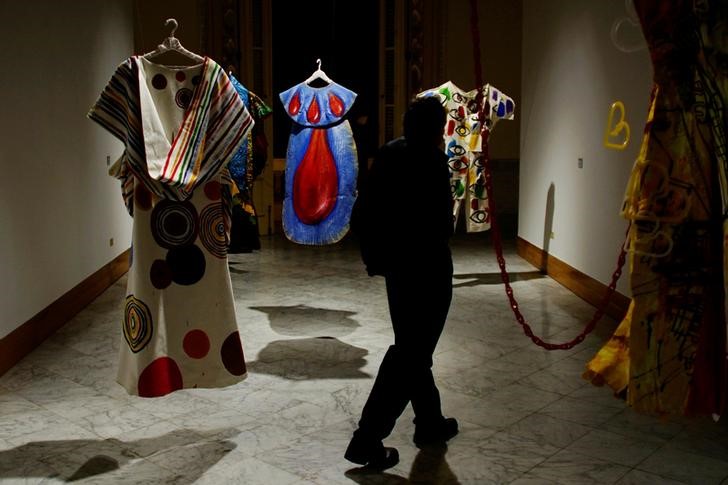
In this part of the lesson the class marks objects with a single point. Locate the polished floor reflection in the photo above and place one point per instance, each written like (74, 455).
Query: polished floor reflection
(314, 329)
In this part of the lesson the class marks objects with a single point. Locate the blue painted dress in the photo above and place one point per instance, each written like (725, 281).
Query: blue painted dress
(321, 164)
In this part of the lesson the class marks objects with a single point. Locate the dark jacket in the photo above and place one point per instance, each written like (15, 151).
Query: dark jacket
(403, 216)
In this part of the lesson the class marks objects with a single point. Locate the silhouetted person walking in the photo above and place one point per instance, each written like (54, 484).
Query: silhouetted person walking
(404, 222)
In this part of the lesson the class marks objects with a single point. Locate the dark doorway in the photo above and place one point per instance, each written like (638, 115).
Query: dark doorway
(345, 36)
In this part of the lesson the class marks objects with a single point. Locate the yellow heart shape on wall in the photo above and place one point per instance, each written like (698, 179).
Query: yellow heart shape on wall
(618, 130)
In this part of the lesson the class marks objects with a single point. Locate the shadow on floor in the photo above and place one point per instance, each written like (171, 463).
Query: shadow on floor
(73, 460)
(494, 278)
(231, 267)
(311, 358)
(303, 320)
(429, 467)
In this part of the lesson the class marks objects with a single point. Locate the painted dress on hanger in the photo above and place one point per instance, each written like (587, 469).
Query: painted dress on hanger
(321, 164)
(668, 355)
(179, 126)
(463, 145)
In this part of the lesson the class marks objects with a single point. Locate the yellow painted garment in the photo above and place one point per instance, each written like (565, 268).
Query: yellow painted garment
(672, 344)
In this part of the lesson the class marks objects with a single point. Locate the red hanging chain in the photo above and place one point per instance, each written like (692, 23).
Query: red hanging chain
(495, 227)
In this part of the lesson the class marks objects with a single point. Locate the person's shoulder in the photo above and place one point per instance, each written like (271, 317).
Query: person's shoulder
(398, 144)
(391, 150)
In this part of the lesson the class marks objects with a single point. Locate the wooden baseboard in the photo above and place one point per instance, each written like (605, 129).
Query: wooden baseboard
(585, 287)
(21, 341)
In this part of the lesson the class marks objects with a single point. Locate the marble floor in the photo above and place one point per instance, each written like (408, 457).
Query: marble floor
(315, 328)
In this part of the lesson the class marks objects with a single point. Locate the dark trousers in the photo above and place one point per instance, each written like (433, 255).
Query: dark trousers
(418, 306)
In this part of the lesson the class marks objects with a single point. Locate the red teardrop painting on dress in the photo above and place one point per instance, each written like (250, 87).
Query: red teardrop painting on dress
(337, 106)
(315, 184)
(295, 105)
(313, 114)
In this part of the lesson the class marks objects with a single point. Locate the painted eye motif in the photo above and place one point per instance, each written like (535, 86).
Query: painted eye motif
(455, 150)
(458, 164)
(457, 114)
(477, 191)
(461, 130)
(457, 188)
(479, 162)
(479, 217)
(458, 98)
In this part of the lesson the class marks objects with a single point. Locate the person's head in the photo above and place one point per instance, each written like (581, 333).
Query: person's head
(424, 121)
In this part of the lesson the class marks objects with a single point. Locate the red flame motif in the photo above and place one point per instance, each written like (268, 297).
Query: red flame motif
(314, 113)
(316, 182)
(295, 105)
(337, 106)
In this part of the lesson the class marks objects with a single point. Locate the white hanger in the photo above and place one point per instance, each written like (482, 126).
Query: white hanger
(172, 44)
(318, 74)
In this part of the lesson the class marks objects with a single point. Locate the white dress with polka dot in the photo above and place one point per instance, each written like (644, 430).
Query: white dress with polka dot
(178, 124)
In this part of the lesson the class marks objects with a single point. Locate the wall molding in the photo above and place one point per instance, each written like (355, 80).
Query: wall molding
(24, 339)
(582, 285)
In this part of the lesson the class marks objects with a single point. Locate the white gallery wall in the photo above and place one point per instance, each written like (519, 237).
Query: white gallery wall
(59, 209)
(572, 73)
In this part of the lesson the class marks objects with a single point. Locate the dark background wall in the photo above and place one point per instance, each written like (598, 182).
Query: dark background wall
(345, 36)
